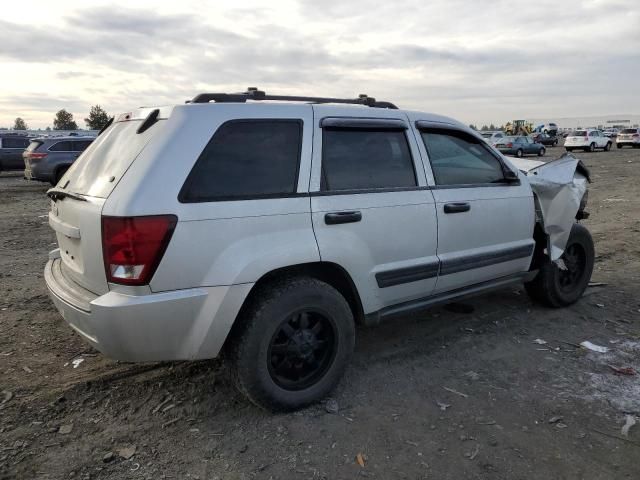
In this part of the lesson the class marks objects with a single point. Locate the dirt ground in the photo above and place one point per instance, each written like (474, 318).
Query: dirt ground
(452, 394)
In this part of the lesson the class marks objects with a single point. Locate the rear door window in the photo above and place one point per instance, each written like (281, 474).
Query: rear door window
(15, 143)
(247, 159)
(458, 158)
(365, 159)
(34, 144)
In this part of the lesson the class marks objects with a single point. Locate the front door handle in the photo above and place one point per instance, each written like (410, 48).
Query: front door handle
(335, 218)
(457, 207)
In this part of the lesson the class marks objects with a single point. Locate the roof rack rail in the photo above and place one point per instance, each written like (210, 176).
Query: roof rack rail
(253, 93)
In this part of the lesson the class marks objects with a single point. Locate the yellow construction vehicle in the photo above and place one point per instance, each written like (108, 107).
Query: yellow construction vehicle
(518, 127)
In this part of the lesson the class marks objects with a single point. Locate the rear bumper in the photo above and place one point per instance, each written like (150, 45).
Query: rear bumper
(178, 325)
(36, 171)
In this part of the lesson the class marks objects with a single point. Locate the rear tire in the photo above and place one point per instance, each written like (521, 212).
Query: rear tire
(618, 145)
(291, 344)
(541, 152)
(607, 147)
(592, 147)
(568, 149)
(555, 143)
(559, 288)
(519, 153)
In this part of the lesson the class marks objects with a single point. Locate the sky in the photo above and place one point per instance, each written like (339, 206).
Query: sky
(477, 61)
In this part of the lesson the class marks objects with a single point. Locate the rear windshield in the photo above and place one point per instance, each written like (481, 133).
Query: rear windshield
(630, 130)
(34, 144)
(579, 133)
(104, 162)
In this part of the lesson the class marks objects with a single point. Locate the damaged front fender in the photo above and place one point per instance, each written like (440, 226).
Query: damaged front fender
(560, 187)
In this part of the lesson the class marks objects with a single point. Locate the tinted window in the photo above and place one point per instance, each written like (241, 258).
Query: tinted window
(629, 130)
(80, 146)
(365, 159)
(34, 144)
(61, 147)
(458, 158)
(247, 158)
(15, 143)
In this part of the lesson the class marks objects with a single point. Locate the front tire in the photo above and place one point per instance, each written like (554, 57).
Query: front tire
(519, 153)
(541, 152)
(618, 145)
(569, 149)
(592, 147)
(607, 147)
(554, 287)
(292, 343)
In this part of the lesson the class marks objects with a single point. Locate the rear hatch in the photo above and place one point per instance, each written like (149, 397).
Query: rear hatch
(77, 201)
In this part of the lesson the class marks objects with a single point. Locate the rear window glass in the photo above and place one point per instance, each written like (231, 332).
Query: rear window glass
(247, 159)
(34, 144)
(579, 133)
(81, 146)
(109, 155)
(630, 130)
(61, 147)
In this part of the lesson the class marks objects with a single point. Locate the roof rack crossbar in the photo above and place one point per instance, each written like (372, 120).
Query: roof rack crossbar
(253, 93)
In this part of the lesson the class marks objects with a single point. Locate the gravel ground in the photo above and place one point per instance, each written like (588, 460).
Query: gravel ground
(445, 395)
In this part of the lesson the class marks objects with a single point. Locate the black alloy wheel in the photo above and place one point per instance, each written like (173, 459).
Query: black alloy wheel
(302, 350)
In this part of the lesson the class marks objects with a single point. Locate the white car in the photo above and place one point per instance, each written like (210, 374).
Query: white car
(492, 137)
(588, 140)
(629, 137)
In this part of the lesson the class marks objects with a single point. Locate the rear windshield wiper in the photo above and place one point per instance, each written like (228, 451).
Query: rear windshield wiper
(56, 194)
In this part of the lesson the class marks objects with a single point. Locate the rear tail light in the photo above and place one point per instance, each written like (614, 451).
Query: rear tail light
(509, 145)
(36, 156)
(635, 135)
(133, 246)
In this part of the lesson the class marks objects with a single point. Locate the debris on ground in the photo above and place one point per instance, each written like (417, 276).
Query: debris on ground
(471, 375)
(623, 370)
(629, 421)
(65, 429)
(127, 452)
(442, 406)
(598, 284)
(593, 347)
(360, 459)
(331, 406)
(7, 396)
(473, 454)
(456, 392)
(539, 341)
(555, 419)
(108, 457)
(76, 363)
(27, 369)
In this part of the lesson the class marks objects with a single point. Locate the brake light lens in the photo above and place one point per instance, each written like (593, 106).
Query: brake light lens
(36, 156)
(133, 246)
(509, 145)
(635, 135)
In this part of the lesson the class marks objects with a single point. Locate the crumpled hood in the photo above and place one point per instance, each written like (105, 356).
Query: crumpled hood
(559, 186)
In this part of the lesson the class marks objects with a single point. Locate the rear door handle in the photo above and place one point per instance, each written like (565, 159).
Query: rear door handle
(335, 218)
(457, 207)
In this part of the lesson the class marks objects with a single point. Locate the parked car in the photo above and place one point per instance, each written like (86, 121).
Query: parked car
(611, 132)
(545, 139)
(11, 147)
(520, 146)
(267, 231)
(588, 140)
(549, 128)
(628, 137)
(492, 137)
(47, 159)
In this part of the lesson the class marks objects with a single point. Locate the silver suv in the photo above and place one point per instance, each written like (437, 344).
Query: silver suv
(268, 230)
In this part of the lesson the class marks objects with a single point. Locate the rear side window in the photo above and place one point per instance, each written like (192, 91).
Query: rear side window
(80, 146)
(365, 159)
(61, 147)
(247, 159)
(460, 159)
(630, 130)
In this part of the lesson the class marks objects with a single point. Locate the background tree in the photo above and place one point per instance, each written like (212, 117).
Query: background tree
(473, 127)
(64, 121)
(97, 118)
(484, 128)
(48, 129)
(492, 127)
(20, 124)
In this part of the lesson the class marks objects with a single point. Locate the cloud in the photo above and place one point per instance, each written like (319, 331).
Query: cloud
(472, 60)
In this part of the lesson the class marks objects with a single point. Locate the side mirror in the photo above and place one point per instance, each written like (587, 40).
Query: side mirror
(511, 177)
